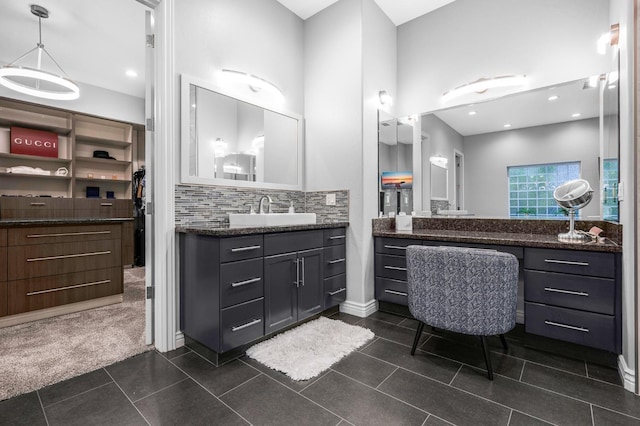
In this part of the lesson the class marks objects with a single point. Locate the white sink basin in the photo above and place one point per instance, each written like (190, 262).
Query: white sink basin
(454, 212)
(271, 219)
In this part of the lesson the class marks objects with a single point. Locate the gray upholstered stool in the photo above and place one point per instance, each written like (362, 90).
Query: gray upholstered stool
(464, 290)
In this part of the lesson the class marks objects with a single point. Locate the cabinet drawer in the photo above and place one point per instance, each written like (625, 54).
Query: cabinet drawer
(334, 237)
(3, 263)
(571, 262)
(335, 261)
(394, 246)
(106, 208)
(242, 324)
(3, 237)
(241, 248)
(391, 291)
(3, 298)
(335, 290)
(584, 328)
(39, 235)
(287, 242)
(241, 281)
(570, 291)
(394, 267)
(46, 292)
(35, 208)
(52, 259)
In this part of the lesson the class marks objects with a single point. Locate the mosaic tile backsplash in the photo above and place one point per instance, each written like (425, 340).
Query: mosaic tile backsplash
(203, 204)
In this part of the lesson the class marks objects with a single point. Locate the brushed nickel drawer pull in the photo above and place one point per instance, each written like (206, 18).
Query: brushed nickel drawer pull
(68, 256)
(68, 234)
(394, 268)
(573, 293)
(249, 324)
(106, 204)
(239, 249)
(250, 281)
(570, 327)
(567, 262)
(333, 262)
(34, 293)
(397, 293)
(333, 293)
(37, 204)
(395, 247)
(337, 237)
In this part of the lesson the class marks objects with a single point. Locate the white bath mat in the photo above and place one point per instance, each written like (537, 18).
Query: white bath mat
(306, 351)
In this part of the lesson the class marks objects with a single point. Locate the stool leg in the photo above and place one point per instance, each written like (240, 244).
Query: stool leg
(504, 342)
(417, 338)
(487, 356)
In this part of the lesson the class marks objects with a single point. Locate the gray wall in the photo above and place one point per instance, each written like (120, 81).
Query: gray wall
(487, 156)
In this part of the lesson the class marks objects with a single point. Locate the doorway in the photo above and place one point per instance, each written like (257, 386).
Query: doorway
(458, 180)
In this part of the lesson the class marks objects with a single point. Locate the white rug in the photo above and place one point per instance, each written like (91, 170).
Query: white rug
(306, 351)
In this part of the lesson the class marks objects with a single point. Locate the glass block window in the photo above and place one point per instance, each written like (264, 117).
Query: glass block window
(610, 189)
(531, 189)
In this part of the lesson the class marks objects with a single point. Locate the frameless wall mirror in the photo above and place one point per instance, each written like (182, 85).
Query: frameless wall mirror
(395, 164)
(518, 148)
(439, 182)
(227, 140)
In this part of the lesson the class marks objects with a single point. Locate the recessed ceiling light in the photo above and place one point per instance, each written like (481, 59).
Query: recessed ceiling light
(506, 126)
(473, 112)
(131, 73)
(577, 114)
(552, 98)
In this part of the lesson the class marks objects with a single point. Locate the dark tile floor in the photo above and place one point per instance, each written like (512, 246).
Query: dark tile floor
(381, 384)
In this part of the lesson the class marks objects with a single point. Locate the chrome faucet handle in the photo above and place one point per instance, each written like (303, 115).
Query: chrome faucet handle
(251, 211)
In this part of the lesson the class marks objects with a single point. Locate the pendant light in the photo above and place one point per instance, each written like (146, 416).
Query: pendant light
(36, 81)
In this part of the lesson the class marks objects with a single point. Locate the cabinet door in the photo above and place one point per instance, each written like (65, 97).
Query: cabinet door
(280, 279)
(310, 290)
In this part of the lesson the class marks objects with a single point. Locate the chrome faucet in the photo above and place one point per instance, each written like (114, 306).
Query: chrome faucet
(261, 205)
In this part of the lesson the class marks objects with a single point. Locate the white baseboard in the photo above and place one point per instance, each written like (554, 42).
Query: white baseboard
(361, 310)
(627, 374)
(179, 339)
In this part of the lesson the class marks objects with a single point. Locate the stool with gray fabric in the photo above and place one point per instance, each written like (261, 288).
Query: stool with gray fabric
(464, 290)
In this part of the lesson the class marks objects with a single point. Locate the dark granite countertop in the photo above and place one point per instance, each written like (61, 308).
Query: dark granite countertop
(501, 232)
(9, 223)
(227, 231)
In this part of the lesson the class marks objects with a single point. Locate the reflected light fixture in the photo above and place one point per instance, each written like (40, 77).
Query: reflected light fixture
(385, 98)
(254, 83)
(610, 38)
(36, 81)
(439, 160)
(481, 85)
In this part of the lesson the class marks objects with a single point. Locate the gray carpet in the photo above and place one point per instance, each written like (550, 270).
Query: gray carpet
(39, 353)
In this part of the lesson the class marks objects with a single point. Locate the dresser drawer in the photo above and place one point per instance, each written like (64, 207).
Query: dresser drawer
(334, 237)
(594, 264)
(35, 208)
(241, 248)
(46, 292)
(394, 267)
(52, 259)
(335, 290)
(242, 324)
(585, 328)
(105, 208)
(570, 291)
(39, 235)
(287, 242)
(240, 282)
(394, 246)
(335, 261)
(391, 291)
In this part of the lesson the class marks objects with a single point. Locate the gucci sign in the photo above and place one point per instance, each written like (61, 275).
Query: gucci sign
(34, 142)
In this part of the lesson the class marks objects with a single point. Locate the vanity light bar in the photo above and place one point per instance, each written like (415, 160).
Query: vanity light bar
(483, 84)
(254, 83)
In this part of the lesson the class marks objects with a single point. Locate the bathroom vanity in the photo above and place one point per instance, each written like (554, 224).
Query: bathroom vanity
(567, 291)
(239, 285)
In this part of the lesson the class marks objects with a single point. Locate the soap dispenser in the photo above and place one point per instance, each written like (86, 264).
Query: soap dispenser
(291, 209)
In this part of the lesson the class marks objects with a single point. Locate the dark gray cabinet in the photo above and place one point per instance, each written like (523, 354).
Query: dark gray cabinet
(335, 267)
(293, 278)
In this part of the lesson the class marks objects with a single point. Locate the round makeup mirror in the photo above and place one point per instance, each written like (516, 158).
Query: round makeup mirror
(572, 196)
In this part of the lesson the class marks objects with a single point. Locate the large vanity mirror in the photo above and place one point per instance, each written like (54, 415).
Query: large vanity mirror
(504, 157)
(234, 141)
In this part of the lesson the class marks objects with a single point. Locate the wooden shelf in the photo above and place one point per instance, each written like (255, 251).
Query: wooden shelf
(35, 158)
(27, 175)
(102, 141)
(81, 179)
(103, 161)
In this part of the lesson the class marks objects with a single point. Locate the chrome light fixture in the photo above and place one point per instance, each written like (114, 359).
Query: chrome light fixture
(254, 83)
(36, 81)
(385, 98)
(481, 85)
